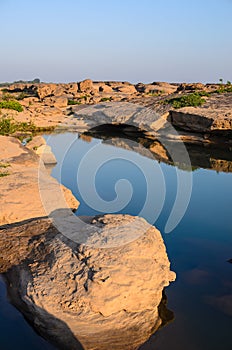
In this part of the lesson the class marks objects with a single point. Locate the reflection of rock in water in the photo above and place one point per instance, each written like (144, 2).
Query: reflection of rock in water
(202, 155)
(106, 298)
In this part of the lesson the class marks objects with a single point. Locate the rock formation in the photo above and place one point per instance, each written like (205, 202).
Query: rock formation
(117, 113)
(20, 193)
(102, 297)
(54, 104)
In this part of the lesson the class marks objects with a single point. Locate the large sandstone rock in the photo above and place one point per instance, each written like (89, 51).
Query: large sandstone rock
(85, 85)
(191, 87)
(117, 113)
(156, 88)
(44, 90)
(20, 190)
(105, 298)
(104, 88)
(203, 120)
(127, 89)
(56, 101)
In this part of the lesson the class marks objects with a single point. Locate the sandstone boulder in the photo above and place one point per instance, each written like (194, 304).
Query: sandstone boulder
(191, 87)
(85, 85)
(22, 201)
(56, 101)
(103, 298)
(127, 89)
(105, 88)
(203, 120)
(44, 90)
(117, 113)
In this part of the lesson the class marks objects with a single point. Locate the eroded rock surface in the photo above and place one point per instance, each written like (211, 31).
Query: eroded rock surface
(102, 297)
(20, 189)
(117, 113)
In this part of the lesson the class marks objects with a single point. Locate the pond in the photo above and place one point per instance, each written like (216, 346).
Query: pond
(199, 246)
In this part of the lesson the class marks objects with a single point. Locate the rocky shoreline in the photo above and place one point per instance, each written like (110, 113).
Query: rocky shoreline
(61, 105)
(75, 293)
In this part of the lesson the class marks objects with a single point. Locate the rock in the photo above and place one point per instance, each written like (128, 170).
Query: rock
(102, 297)
(164, 87)
(28, 101)
(140, 87)
(44, 90)
(191, 87)
(203, 120)
(127, 89)
(105, 88)
(156, 88)
(22, 200)
(71, 88)
(45, 153)
(85, 85)
(36, 142)
(58, 101)
(117, 113)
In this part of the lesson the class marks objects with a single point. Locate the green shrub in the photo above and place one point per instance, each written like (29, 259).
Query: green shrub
(73, 102)
(3, 171)
(9, 126)
(105, 99)
(11, 105)
(84, 97)
(223, 89)
(203, 93)
(190, 100)
(6, 96)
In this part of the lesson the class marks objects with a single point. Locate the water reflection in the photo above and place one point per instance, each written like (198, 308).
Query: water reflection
(206, 155)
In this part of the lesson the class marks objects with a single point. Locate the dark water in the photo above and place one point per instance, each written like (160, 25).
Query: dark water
(15, 332)
(199, 247)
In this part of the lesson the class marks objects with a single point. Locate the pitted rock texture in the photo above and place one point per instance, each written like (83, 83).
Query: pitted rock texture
(102, 297)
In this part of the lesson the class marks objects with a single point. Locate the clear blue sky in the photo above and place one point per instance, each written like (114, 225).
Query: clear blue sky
(129, 40)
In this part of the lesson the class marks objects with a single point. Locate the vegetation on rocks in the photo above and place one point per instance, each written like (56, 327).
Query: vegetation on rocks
(190, 100)
(10, 126)
(224, 88)
(3, 171)
(15, 105)
(73, 102)
(105, 99)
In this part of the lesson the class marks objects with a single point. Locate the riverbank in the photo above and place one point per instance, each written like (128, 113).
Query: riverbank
(198, 111)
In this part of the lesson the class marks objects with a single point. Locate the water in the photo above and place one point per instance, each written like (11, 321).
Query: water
(199, 247)
(15, 332)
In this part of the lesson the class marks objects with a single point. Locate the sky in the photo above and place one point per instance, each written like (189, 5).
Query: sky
(123, 40)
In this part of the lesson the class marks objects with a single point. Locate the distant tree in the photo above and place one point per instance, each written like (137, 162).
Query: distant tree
(228, 82)
(36, 81)
(221, 81)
